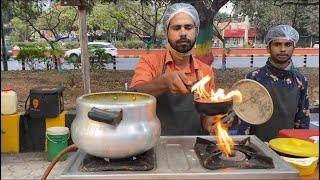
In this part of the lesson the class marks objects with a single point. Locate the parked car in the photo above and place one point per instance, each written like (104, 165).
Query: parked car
(316, 44)
(109, 48)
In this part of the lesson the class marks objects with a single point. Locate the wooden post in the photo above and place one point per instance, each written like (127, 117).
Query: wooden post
(84, 50)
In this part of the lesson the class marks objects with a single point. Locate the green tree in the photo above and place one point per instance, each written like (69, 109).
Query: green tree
(265, 14)
(140, 19)
(21, 30)
(208, 9)
(43, 19)
(99, 20)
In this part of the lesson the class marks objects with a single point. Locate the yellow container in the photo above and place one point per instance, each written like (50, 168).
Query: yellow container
(305, 166)
(10, 132)
(295, 147)
(58, 121)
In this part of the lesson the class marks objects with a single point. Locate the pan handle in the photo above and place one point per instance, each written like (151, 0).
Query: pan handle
(108, 116)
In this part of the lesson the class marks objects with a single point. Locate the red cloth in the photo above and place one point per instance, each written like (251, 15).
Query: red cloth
(303, 134)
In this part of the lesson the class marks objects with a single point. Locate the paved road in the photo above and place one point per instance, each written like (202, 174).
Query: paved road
(232, 62)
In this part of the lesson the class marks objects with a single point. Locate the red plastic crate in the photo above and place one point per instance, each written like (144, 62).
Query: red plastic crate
(303, 134)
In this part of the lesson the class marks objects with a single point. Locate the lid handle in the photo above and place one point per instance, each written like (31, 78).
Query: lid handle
(108, 116)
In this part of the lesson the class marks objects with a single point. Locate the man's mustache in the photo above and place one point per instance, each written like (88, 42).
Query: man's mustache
(184, 40)
(283, 54)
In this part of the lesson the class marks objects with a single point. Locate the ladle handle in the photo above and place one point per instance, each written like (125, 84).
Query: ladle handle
(112, 117)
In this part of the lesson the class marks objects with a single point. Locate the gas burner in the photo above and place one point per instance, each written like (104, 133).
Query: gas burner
(142, 162)
(234, 156)
(244, 155)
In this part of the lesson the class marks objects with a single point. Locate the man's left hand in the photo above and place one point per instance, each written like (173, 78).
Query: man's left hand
(209, 123)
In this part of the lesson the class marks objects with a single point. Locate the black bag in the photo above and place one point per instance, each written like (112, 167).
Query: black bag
(45, 102)
(32, 134)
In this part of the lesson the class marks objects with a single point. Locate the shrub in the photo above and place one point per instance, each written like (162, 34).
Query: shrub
(33, 53)
(118, 44)
(31, 56)
(97, 58)
(133, 44)
(71, 44)
(100, 56)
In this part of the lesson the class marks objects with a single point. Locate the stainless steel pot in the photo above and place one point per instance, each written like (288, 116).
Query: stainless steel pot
(115, 124)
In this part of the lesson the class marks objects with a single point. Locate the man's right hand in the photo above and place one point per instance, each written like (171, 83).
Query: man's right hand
(208, 123)
(177, 82)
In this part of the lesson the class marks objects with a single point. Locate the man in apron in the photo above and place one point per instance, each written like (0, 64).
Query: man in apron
(168, 75)
(287, 86)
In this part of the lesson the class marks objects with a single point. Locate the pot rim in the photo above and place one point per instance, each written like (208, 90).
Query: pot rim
(148, 98)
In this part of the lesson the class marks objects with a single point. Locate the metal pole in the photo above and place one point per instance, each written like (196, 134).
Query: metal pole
(224, 61)
(251, 61)
(84, 50)
(224, 58)
(114, 63)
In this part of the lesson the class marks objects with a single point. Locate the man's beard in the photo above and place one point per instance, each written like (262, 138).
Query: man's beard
(182, 48)
(284, 60)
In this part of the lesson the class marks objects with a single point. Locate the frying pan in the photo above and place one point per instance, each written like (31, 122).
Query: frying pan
(256, 106)
(213, 108)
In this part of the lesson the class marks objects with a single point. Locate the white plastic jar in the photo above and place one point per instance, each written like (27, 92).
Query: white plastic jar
(9, 101)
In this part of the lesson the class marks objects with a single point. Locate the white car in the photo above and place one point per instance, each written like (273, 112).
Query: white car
(316, 44)
(108, 47)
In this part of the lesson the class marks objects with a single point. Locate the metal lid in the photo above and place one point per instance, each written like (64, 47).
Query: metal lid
(47, 90)
(256, 106)
(6, 88)
(58, 130)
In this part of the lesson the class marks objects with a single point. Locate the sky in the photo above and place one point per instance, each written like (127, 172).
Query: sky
(227, 8)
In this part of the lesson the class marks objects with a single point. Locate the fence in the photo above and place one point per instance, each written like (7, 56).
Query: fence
(224, 58)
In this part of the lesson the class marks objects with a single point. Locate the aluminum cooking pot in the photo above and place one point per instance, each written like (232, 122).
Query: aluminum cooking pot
(115, 124)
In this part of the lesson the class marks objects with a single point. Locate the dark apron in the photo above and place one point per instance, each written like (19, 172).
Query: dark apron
(285, 104)
(177, 114)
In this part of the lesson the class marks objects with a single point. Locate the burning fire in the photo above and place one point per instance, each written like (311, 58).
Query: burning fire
(224, 141)
(218, 96)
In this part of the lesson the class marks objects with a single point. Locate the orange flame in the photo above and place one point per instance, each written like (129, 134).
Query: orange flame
(218, 96)
(200, 89)
(224, 141)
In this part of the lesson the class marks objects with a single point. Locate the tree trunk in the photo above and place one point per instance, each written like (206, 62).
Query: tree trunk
(204, 39)
(154, 38)
(84, 50)
(54, 56)
(4, 51)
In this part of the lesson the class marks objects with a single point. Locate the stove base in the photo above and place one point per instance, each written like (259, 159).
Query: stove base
(176, 159)
(142, 162)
